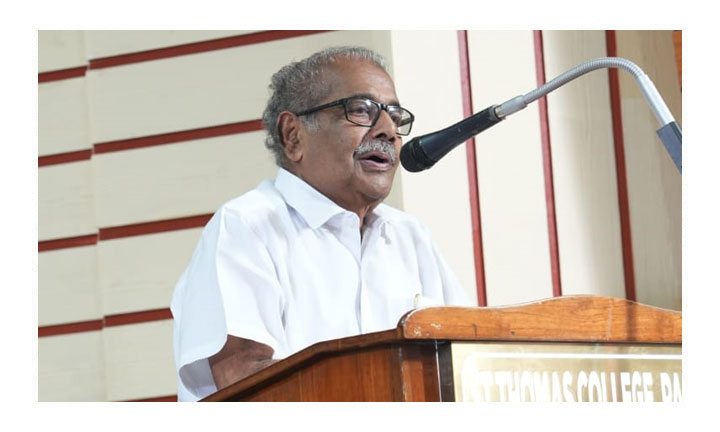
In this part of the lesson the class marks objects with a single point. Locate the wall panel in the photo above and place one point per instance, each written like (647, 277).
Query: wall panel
(205, 89)
(139, 273)
(60, 49)
(183, 179)
(71, 368)
(586, 197)
(65, 201)
(510, 171)
(62, 117)
(139, 361)
(67, 286)
(654, 184)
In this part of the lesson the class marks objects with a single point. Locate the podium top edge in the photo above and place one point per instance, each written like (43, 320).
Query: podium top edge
(568, 318)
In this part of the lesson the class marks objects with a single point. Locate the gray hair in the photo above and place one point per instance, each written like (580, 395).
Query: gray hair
(297, 87)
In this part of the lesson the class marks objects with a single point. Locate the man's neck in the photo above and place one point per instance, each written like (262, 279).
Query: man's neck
(359, 204)
(361, 208)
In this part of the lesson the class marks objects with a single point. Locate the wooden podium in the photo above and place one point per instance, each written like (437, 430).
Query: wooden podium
(566, 348)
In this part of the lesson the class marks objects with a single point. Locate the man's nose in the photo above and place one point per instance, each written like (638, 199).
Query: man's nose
(385, 127)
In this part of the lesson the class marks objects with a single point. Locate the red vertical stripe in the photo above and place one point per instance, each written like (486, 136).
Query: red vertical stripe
(621, 171)
(472, 172)
(547, 165)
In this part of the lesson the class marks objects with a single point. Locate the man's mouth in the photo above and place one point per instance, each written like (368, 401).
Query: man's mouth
(376, 161)
(376, 155)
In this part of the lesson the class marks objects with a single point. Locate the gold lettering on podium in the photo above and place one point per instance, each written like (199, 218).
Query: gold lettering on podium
(571, 372)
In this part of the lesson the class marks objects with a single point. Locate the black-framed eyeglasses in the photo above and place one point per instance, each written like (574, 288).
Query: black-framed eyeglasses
(366, 112)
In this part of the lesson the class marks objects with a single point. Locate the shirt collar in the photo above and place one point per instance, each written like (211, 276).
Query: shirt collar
(313, 206)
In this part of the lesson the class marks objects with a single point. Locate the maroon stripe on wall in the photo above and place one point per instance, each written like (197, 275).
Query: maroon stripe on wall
(107, 321)
(138, 317)
(198, 47)
(154, 227)
(547, 165)
(152, 140)
(173, 137)
(126, 231)
(63, 243)
(61, 158)
(621, 171)
(61, 329)
(472, 171)
(62, 74)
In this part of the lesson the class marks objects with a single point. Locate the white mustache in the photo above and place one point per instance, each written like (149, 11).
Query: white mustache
(376, 145)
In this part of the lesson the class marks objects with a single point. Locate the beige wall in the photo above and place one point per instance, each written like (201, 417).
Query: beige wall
(654, 185)
(193, 177)
(584, 168)
(510, 171)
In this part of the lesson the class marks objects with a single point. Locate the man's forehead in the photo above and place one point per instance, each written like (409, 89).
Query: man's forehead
(361, 78)
(376, 98)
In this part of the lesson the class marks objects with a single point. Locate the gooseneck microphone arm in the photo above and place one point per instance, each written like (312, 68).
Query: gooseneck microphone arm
(422, 152)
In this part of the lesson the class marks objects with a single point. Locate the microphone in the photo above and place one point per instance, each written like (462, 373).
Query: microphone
(424, 151)
(421, 153)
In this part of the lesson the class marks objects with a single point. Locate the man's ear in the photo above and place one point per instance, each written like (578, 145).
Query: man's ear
(290, 127)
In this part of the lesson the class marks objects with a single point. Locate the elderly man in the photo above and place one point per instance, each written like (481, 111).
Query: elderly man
(312, 255)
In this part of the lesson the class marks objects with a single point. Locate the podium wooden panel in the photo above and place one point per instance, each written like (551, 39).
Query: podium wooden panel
(411, 362)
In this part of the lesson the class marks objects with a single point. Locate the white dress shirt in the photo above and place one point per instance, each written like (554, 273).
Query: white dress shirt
(285, 266)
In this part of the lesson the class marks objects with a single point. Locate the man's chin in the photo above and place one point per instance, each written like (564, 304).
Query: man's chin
(375, 185)
(377, 191)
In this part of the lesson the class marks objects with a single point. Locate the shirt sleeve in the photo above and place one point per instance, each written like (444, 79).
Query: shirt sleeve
(230, 287)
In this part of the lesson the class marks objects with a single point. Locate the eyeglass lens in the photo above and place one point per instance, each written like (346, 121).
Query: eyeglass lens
(365, 112)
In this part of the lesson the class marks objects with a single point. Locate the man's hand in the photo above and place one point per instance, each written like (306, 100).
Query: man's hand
(237, 359)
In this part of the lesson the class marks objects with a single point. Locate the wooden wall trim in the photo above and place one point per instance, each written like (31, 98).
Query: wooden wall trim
(70, 242)
(677, 43)
(61, 74)
(154, 227)
(621, 170)
(137, 317)
(69, 328)
(198, 47)
(179, 136)
(133, 230)
(61, 158)
(107, 321)
(174, 51)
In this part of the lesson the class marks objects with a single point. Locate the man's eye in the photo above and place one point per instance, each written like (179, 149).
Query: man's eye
(396, 116)
(359, 110)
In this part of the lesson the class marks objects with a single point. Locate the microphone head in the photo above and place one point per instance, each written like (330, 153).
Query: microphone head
(413, 157)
